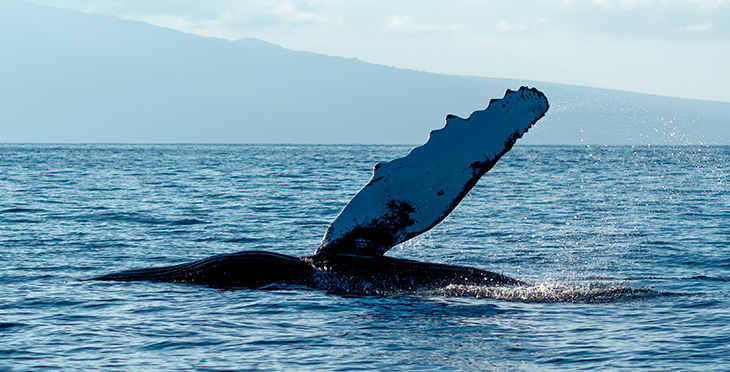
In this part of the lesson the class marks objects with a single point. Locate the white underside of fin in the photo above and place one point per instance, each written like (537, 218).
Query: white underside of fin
(407, 196)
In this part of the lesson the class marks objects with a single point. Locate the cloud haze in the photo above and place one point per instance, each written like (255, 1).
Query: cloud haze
(675, 48)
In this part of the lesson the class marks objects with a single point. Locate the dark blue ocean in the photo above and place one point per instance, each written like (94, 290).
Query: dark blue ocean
(625, 252)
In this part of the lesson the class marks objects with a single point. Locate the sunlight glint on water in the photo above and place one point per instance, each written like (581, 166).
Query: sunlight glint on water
(623, 250)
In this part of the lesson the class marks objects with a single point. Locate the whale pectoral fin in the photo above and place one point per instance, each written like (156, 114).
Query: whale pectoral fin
(408, 196)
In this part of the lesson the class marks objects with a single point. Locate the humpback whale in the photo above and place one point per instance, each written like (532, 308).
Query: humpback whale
(404, 198)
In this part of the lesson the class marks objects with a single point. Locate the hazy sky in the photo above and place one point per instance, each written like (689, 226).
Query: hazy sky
(676, 48)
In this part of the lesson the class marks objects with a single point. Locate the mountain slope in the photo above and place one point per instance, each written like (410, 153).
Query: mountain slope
(67, 76)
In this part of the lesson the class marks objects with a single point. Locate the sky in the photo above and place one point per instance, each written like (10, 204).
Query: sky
(677, 48)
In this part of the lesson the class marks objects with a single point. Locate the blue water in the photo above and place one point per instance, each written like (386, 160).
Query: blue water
(626, 252)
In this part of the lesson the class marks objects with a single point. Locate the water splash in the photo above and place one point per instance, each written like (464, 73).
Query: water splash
(554, 292)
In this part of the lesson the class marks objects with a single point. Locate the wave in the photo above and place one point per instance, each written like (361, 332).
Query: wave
(565, 292)
(657, 278)
(555, 292)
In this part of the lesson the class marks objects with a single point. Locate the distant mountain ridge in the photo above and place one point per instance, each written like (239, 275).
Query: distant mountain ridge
(71, 77)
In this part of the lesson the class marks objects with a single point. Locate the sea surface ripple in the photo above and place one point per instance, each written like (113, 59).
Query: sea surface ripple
(625, 252)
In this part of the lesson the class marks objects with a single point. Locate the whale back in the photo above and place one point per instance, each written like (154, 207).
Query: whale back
(408, 196)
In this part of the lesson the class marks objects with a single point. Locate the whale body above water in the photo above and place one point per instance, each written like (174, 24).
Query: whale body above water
(404, 198)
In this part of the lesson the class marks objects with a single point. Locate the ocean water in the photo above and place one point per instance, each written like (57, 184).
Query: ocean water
(625, 252)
